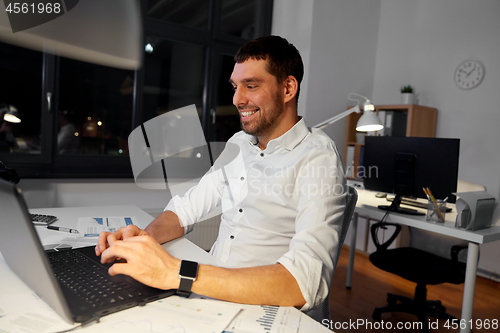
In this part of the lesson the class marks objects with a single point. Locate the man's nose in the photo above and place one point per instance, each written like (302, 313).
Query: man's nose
(239, 97)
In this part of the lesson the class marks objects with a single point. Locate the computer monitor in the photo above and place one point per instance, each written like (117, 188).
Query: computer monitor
(405, 165)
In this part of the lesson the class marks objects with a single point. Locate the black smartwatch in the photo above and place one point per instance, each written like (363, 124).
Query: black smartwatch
(187, 273)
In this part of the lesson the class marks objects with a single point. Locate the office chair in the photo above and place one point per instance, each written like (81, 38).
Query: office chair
(352, 197)
(423, 262)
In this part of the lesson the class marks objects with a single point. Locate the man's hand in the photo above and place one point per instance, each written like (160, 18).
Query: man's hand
(147, 262)
(107, 239)
(163, 228)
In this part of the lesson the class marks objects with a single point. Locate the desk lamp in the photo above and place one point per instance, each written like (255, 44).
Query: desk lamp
(368, 122)
(11, 114)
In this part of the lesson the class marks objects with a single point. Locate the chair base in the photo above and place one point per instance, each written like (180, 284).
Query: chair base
(418, 306)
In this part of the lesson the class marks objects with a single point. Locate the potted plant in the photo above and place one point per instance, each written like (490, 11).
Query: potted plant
(406, 94)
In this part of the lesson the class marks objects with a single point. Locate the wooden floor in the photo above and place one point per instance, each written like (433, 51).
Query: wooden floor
(370, 286)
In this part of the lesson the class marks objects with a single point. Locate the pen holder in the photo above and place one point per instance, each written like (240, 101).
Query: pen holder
(432, 215)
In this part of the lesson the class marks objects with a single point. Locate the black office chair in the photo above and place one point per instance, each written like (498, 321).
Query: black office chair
(419, 266)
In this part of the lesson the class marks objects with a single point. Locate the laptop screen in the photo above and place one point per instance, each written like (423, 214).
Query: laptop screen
(22, 250)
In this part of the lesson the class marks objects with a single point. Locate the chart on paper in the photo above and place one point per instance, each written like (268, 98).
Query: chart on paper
(265, 319)
(93, 226)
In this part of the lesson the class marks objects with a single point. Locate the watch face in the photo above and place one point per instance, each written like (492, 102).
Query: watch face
(469, 74)
(189, 269)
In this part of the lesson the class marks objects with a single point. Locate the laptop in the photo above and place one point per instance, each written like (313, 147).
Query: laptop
(73, 282)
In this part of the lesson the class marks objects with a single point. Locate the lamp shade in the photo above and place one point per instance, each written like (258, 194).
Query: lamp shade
(11, 114)
(369, 121)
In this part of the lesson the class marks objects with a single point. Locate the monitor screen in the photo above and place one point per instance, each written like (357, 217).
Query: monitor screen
(405, 165)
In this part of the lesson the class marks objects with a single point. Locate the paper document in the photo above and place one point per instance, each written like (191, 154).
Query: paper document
(93, 226)
(172, 314)
(61, 240)
(268, 319)
(26, 312)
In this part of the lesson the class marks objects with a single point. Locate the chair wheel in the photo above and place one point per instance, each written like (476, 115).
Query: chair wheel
(377, 316)
(391, 299)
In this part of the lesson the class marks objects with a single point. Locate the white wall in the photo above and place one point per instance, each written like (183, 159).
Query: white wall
(337, 40)
(298, 32)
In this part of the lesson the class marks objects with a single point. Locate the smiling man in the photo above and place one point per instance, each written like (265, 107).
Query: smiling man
(282, 204)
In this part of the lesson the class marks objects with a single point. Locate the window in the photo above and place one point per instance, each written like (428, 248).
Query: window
(173, 76)
(240, 17)
(227, 121)
(21, 90)
(76, 116)
(94, 114)
(193, 13)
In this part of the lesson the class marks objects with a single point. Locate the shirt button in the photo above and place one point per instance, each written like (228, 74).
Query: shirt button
(240, 210)
(262, 154)
(232, 237)
(242, 178)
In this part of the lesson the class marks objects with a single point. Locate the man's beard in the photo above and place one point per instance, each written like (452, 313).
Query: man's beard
(267, 121)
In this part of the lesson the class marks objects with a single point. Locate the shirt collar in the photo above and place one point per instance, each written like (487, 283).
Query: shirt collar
(289, 139)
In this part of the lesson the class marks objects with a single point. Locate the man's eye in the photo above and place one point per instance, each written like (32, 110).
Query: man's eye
(251, 87)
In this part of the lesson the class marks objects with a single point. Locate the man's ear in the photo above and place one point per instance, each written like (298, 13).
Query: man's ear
(291, 86)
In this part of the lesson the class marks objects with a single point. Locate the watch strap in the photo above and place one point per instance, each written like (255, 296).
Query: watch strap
(185, 287)
(188, 272)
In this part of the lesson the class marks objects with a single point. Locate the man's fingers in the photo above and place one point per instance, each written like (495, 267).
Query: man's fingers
(119, 249)
(118, 268)
(112, 238)
(107, 239)
(131, 231)
(146, 261)
(101, 243)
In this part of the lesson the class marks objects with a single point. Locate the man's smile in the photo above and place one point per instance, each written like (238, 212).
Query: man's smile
(247, 113)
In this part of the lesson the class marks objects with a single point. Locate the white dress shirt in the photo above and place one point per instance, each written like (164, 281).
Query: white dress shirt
(282, 205)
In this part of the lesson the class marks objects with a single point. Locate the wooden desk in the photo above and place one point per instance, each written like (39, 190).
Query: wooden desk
(367, 206)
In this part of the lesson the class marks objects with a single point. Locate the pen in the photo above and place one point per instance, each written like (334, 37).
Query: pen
(443, 202)
(53, 227)
(429, 195)
(439, 207)
(434, 202)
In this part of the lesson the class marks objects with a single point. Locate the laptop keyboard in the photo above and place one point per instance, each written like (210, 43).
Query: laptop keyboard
(89, 281)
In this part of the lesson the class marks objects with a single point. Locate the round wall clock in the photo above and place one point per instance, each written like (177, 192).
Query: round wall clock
(469, 74)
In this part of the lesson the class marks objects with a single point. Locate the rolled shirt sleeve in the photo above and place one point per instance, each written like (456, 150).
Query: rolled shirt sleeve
(320, 211)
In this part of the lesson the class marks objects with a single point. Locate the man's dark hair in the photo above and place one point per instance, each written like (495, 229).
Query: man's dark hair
(283, 59)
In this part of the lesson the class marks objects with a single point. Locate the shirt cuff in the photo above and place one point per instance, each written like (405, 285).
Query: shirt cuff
(307, 271)
(174, 203)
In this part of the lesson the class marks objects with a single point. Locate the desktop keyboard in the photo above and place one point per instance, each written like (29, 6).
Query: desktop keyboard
(415, 203)
(410, 202)
(40, 219)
